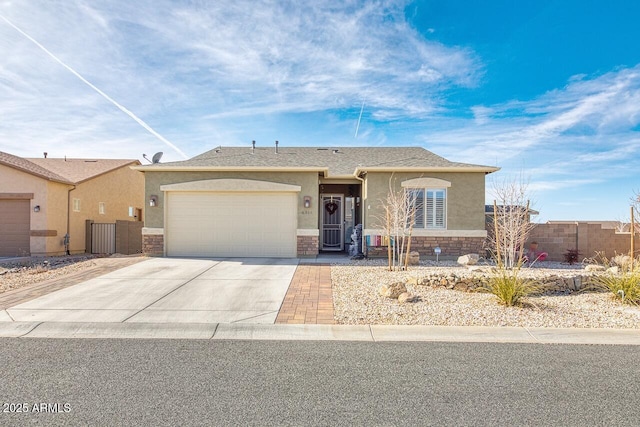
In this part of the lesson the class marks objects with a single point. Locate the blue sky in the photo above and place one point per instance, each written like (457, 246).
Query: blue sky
(549, 90)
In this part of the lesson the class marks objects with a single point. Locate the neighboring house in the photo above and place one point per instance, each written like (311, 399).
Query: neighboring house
(297, 201)
(44, 199)
(488, 211)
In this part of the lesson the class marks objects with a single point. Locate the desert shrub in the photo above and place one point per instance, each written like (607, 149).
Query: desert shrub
(571, 256)
(625, 286)
(509, 287)
(622, 261)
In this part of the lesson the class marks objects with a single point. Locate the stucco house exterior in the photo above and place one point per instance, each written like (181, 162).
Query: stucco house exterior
(299, 201)
(44, 199)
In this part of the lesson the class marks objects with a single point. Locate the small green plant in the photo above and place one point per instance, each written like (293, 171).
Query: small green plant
(509, 287)
(571, 256)
(625, 286)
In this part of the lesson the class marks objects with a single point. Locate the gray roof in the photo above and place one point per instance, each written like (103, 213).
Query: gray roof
(488, 209)
(340, 161)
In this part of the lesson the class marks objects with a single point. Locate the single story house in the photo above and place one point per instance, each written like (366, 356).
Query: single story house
(299, 201)
(42, 200)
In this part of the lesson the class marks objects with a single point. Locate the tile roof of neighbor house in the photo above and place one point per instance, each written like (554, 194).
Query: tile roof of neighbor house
(488, 209)
(30, 167)
(340, 161)
(79, 170)
(67, 171)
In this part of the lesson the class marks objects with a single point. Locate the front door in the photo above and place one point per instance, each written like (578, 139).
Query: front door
(332, 229)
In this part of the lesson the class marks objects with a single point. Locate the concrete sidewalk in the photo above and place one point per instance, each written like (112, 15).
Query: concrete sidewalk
(371, 333)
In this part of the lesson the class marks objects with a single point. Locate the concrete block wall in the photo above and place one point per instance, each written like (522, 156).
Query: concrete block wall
(588, 238)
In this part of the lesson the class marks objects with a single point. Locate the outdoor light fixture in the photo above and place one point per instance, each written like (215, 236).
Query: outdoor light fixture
(307, 202)
(437, 251)
(36, 208)
(153, 201)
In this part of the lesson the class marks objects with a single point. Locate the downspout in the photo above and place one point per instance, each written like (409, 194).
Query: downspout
(67, 237)
(362, 210)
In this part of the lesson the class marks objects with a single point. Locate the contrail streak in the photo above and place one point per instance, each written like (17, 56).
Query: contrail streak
(359, 118)
(104, 95)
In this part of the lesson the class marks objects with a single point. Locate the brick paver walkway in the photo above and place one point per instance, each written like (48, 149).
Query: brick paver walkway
(29, 292)
(309, 298)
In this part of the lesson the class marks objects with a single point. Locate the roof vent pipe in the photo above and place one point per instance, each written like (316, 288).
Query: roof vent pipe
(45, 154)
(253, 146)
(276, 147)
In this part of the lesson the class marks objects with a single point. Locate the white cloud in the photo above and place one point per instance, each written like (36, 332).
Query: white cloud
(172, 63)
(604, 108)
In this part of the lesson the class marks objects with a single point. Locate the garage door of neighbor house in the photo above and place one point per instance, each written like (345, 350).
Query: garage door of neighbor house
(231, 224)
(15, 227)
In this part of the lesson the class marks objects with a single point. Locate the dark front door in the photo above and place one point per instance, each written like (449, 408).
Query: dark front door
(332, 227)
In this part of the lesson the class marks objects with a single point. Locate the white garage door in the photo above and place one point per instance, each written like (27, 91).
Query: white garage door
(244, 224)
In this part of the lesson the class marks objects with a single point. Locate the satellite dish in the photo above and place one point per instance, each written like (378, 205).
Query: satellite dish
(156, 157)
(146, 158)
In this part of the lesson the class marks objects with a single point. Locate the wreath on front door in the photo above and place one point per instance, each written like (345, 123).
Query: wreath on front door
(331, 207)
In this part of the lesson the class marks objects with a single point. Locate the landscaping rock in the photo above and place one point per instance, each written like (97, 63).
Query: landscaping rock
(393, 290)
(595, 267)
(406, 297)
(414, 258)
(469, 259)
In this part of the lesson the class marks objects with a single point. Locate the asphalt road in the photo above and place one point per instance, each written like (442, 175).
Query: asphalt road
(182, 382)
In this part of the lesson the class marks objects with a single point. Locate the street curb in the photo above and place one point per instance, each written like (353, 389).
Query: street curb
(197, 331)
(245, 331)
(370, 333)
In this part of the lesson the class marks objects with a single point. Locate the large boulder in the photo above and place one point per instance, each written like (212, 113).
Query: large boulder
(393, 290)
(613, 270)
(469, 259)
(414, 258)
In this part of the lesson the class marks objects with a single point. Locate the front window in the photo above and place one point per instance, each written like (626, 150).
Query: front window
(431, 207)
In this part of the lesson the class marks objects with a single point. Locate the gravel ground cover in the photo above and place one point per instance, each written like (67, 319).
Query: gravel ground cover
(15, 274)
(357, 301)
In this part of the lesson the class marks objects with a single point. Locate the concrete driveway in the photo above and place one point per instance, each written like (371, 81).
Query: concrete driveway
(170, 290)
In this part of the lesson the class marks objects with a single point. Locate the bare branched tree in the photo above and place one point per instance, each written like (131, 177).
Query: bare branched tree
(634, 226)
(399, 210)
(511, 224)
(622, 226)
(635, 204)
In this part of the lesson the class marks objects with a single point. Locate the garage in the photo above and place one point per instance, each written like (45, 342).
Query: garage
(231, 218)
(14, 227)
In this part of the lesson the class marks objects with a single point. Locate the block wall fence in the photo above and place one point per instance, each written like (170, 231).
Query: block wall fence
(588, 238)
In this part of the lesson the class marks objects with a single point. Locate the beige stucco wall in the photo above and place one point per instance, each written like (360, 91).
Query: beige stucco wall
(50, 196)
(465, 197)
(55, 209)
(308, 181)
(118, 189)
